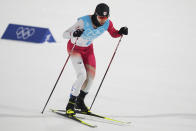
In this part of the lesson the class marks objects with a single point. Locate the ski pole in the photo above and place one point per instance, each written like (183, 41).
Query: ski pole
(106, 71)
(59, 76)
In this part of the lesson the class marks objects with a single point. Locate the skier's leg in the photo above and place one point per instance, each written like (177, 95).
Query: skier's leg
(81, 77)
(90, 65)
(80, 70)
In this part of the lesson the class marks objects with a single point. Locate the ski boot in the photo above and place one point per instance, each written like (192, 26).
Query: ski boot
(80, 105)
(70, 109)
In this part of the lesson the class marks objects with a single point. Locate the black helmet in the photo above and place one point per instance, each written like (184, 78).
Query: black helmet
(102, 10)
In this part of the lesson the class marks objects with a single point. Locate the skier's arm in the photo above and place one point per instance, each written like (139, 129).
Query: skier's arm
(113, 32)
(69, 32)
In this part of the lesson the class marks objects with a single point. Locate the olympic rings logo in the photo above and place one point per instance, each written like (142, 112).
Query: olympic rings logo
(24, 33)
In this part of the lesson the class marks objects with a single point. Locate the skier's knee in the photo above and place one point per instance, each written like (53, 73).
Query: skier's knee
(91, 71)
(82, 76)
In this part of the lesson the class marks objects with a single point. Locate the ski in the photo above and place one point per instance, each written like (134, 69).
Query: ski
(103, 117)
(75, 118)
(99, 116)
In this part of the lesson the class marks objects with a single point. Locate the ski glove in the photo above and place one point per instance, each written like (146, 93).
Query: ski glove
(123, 31)
(78, 32)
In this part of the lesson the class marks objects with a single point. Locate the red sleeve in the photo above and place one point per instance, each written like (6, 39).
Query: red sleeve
(113, 32)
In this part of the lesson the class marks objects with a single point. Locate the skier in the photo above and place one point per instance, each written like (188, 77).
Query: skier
(82, 33)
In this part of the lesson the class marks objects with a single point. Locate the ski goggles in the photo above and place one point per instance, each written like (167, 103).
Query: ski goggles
(103, 17)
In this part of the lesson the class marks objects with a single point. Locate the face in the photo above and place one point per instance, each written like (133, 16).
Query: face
(102, 19)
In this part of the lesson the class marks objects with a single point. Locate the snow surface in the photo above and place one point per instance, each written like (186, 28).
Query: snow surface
(151, 82)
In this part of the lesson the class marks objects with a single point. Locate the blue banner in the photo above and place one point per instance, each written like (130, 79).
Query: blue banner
(28, 34)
